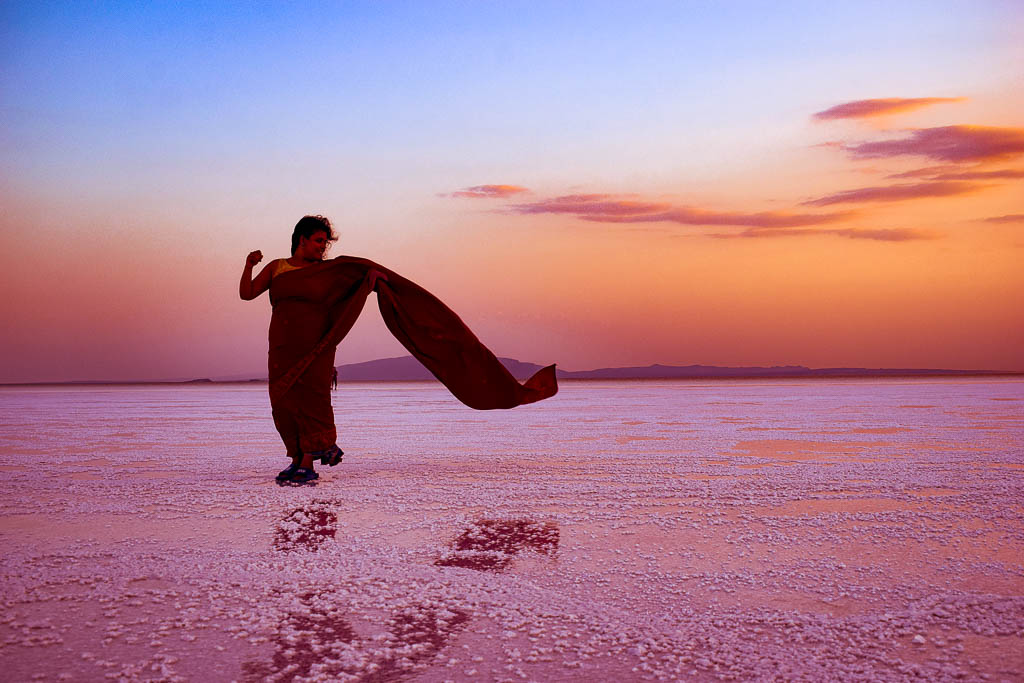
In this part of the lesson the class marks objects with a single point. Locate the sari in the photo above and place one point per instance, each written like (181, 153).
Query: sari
(316, 306)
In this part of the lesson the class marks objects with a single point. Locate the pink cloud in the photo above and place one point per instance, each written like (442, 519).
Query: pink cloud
(955, 144)
(609, 209)
(487, 192)
(876, 234)
(1004, 174)
(860, 109)
(929, 172)
(1008, 218)
(895, 193)
(1001, 174)
(590, 205)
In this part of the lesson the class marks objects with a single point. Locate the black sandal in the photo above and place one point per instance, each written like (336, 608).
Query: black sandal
(330, 457)
(303, 475)
(286, 473)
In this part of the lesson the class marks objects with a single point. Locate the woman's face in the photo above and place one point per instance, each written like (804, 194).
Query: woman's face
(314, 247)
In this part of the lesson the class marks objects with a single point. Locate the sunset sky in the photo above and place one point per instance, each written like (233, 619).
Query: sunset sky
(593, 184)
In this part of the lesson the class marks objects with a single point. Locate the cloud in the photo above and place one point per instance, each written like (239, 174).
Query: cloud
(487, 192)
(1008, 218)
(1004, 174)
(895, 193)
(631, 210)
(955, 144)
(929, 172)
(591, 206)
(885, 234)
(876, 234)
(952, 173)
(861, 109)
(604, 208)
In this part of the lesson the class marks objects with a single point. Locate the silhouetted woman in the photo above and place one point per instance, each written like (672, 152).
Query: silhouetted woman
(316, 303)
(304, 416)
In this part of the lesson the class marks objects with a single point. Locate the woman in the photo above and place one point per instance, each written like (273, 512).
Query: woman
(316, 302)
(304, 417)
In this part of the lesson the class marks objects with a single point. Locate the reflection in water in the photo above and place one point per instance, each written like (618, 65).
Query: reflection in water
(306, 527)
(491, 544)
(317, 641)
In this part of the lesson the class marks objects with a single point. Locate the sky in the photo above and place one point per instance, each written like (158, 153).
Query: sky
(591, 184)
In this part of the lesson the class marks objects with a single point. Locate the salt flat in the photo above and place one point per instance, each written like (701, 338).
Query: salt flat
(737, 530)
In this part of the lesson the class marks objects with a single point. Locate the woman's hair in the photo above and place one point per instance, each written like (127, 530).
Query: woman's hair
(309, 226)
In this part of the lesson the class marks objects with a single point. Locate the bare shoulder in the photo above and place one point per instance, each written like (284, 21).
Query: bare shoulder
(261, 282)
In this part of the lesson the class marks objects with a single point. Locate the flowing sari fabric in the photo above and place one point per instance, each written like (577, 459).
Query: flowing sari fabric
(316, 306)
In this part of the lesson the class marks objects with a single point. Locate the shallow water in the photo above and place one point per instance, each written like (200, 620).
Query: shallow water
(856, 529)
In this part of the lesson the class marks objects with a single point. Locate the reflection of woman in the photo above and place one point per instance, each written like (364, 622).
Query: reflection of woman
(315, 304)
(304, 417)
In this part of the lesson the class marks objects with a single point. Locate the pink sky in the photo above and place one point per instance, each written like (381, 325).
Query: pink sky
(774, 205)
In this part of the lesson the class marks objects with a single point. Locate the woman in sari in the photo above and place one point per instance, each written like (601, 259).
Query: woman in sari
(316, 302)
(304, 417)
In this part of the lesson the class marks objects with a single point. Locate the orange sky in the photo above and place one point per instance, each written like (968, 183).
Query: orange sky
(809, 219)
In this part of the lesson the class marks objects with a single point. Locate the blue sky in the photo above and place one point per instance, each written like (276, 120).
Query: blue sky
(175, 137)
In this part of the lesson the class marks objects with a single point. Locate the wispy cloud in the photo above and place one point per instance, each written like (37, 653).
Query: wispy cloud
(1004, 174)
(591, 206)
(1008, 218)
(605, 208)
(878, 235)
(896, 193)
(929, 172)
(487, 192)
(955, 144)
(952, 173)
(862, 109)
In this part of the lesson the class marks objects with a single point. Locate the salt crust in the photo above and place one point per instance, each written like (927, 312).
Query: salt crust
(556, 553)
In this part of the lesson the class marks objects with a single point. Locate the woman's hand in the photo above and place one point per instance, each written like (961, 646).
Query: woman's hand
(248, 287)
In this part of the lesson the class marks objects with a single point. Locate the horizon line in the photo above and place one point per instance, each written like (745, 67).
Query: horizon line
(859, 372)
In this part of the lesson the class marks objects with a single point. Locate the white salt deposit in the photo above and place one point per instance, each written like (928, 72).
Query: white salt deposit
(799, 530)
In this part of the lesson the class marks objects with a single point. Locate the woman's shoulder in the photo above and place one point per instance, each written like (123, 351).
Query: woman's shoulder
(280, 265)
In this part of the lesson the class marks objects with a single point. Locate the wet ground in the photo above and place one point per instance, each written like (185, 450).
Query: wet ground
(803, 530)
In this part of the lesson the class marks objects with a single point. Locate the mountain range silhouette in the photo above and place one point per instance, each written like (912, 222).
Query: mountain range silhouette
(407, 368)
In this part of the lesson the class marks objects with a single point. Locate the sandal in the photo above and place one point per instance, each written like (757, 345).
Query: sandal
(330, 457)
(286, 473)
(303, 475)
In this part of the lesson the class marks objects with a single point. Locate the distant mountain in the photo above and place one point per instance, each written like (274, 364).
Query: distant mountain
(407, 368)
(719, 372)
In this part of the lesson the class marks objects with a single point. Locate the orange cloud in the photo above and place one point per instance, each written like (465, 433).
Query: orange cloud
(896, 193)
(951, 173)
(487, 192)
(1004, 174)
(881, 235)
(1008, 218)
(862, 109)
(955, 144)
(928, 172)
(604, 208)
(591, 206)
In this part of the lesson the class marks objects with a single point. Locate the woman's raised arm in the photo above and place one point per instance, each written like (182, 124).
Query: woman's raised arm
(248, 287)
